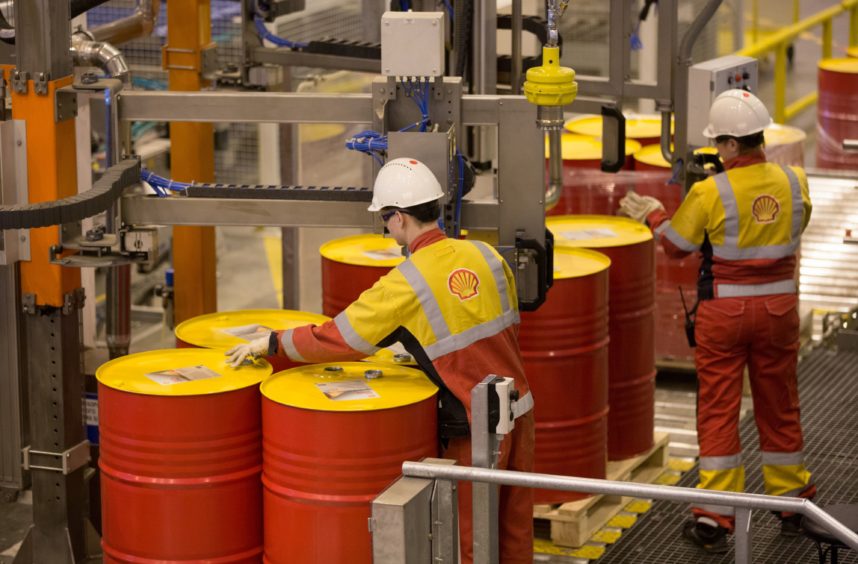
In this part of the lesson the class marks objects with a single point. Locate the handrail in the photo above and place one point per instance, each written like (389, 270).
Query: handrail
(743, 501)
(780, 41)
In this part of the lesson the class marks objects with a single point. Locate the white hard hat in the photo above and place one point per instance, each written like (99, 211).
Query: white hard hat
(736, 113)
(402, 183)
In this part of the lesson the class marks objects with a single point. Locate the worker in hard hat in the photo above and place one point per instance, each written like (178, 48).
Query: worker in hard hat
(453, 305)
(747, 224)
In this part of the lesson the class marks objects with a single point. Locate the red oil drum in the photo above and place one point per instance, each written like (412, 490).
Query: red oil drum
(180, 458)
(564, 345)
(334, 436)
(351, 265)
(837, 117)
(785, 145)
(643, 128)
(631, 322)
(226, 329)
(584, 154)
(670, 341)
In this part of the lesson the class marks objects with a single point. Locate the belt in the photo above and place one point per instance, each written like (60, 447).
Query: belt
(522, 406)
(750, 290)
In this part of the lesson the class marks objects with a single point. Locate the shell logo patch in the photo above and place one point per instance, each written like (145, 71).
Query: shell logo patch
(463, 283)
(765, 209)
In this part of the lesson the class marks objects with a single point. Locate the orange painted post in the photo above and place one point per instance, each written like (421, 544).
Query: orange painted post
(192, 157)
(51, 166)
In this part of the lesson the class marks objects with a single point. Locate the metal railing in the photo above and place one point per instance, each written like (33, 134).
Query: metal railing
(743, 502)
(779, 42)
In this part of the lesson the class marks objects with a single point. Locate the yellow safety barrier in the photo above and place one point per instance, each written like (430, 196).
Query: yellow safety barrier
(779, 43)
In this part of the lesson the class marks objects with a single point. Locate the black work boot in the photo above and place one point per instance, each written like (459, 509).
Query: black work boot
(791, 526)
(709, 538)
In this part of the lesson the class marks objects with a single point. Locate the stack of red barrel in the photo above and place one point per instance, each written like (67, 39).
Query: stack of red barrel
(837, 113)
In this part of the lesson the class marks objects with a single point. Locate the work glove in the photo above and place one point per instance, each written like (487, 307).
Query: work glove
(638, 207)
(253, 349)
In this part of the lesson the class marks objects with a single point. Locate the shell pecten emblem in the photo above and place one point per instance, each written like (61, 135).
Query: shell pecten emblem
(463, 283)
(765, 209)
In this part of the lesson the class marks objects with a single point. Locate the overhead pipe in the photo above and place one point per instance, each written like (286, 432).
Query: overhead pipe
(87, 52)
(680, 145)
(139, 24)
(7, 15)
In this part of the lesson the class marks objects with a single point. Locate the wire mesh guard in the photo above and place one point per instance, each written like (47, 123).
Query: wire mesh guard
(828, 396)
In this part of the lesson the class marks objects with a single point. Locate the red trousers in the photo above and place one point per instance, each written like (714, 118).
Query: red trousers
(761, 333)
(515, 505)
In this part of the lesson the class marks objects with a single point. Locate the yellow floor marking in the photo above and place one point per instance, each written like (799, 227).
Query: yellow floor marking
(668, 479)
(638, 506)
(608, 536)
(589, 551)
(623, 521)
(275, 266)
(680, 464)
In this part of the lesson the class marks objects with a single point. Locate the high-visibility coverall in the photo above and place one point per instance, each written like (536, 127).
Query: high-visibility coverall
(454, 307)
(747, 223)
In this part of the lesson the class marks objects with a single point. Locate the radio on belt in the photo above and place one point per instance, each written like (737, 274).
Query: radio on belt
(502, 393)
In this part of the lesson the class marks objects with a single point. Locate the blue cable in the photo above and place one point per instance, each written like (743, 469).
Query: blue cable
(449, 8)
(404, 5)
(279, 41)
(160, 184)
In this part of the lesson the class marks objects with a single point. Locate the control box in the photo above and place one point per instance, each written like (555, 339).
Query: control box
(706, 81)
(412, 44)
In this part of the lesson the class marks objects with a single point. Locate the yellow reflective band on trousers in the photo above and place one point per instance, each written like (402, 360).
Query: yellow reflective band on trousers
(729, 480)
(786, 480)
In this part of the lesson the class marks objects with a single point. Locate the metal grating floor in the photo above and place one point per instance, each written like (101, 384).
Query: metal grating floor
(828, 387)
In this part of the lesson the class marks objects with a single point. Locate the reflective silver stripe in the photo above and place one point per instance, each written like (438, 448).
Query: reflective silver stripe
(427, 299)
(707, 521)
(351, 337)
(745, 290)
(470, 336)
(730, 250)
(731, 211)
(498, 272)
(725, 510)
(664, 225)
(669, 233)
(797, 492)
(288, 346)
(797, 203)
(522, 406)
(721, 462)
(782, 458)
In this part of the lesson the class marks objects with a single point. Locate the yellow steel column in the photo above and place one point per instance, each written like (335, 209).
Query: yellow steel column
(192, 157)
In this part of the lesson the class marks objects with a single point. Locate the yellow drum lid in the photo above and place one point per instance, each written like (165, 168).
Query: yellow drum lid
(576, 263)
(637, 127)
(777, 134)
(229, 328)
(179, 372)
(651, 155)
(344, 386)
(395, 354)
(596, 231)
(848, 65)
(585, 148)
(363, 250)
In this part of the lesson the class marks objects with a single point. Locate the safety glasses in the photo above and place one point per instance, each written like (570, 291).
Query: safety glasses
(386, 215)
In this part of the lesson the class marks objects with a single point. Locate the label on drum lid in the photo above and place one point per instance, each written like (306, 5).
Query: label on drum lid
(248, 332)
(180, 375)
(384, 254)
(587, 234)
(347, 390)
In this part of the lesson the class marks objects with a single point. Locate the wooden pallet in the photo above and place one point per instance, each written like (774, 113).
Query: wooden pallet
(573, 523)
